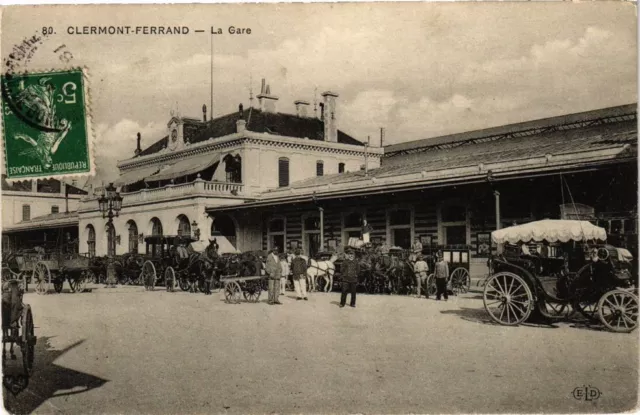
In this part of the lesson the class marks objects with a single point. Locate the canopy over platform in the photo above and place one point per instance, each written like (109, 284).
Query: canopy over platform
(135, 176)
(551, 230)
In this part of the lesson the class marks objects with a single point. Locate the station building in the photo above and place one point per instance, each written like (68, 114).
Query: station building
(230, 160)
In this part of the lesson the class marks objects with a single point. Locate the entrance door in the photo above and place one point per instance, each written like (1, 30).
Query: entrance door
(313, 243)
(455, 235)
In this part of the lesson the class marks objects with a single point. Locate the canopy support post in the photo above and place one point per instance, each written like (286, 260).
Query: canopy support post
(496, 195)
(321, 228)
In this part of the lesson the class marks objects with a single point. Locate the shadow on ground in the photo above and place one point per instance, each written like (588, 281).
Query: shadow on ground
(50, 380)
(480, 315)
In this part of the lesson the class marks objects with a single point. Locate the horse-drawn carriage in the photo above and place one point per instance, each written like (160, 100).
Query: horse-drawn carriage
(17, 330)
(458, 258)
(242, 275)
(571, 273)
(172, 260)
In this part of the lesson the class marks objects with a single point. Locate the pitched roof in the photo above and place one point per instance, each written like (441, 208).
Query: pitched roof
(504, 150)
(257, 121)
(528, 128)
(52, 220)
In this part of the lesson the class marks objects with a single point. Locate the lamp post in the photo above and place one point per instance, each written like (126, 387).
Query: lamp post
(110, 204)
(195, 230)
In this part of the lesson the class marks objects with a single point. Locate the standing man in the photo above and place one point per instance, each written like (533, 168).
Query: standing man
(284, 264)
(366, 231)
(442, 274)
(350, 270)
(299, 269)
(274, 270)
(416, 250)
(421, 269)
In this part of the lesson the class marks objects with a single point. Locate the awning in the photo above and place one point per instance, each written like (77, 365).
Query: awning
(135, 176)
(551, 230)
(186, 167)
(50, 221)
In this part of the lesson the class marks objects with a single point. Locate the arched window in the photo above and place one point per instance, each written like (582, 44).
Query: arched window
(319, 168)
(283, 172)
(233, 168)
(91, 240)
(156, 226)
(340, 167)
(133, 237)
(184, 227)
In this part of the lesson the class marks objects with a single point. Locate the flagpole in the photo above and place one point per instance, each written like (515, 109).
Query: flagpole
(211, 103)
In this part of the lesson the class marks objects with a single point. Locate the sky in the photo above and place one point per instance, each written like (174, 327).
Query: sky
(419, 70)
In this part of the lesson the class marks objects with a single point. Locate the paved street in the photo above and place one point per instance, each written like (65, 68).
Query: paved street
(125, 350)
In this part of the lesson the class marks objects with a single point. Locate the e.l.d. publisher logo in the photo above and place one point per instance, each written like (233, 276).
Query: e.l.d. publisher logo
(586, 393)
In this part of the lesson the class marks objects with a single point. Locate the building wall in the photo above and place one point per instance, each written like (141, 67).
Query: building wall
(40, 205)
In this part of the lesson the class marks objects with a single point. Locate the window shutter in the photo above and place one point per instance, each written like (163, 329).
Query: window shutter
(26, 212)
(319, 168)
(283, 172)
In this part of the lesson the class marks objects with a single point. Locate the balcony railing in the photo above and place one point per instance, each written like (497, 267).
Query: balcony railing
(196, 188)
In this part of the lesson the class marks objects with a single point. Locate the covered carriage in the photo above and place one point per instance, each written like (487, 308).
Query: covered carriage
(552, 268)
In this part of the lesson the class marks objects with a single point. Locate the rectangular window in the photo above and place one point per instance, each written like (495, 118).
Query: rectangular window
(319, 169)
(283, 172)
(26, 212)
(55, 209)
(340, 167)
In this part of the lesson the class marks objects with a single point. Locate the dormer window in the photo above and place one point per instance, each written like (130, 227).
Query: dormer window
(319, 168)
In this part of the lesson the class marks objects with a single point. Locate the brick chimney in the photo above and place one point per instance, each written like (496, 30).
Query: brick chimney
(138, 149)
(265, 99)
(241, 124)
(301, 108)
(204, 112)
(330, 119)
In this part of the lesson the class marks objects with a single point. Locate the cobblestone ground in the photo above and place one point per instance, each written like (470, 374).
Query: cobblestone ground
(125, 350)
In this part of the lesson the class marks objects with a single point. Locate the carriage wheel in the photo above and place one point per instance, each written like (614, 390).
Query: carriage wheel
(618, 311)
(185, 284)
(507, 298)
(41, 277)
(232, 292)
(149, 275)
(432, 289)
(252, 292)
(28, 341)
(80, 284)
(460, 280)
(170, 278)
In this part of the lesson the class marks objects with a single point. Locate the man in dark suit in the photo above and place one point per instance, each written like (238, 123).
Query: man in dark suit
(349, 270)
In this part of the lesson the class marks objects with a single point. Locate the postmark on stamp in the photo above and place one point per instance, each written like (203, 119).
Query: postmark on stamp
(46, 124)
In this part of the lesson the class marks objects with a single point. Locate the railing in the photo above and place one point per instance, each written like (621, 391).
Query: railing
(197, 187)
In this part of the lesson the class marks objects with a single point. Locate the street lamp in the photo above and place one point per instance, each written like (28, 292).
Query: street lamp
(110, 204)
(195, 230)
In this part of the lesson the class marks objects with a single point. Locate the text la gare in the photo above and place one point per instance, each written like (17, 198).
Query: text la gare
(233, 30)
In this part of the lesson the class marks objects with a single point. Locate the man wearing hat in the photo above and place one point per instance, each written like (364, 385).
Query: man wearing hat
(350, 269)
(299, 271)
(421, 269)
(442, 275)
(274, 271)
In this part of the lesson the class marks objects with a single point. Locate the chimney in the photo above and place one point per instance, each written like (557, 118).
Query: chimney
(330, 126)
(267, 101)
(204, 112)
(241, 111)
(138, 149)
(301, 108)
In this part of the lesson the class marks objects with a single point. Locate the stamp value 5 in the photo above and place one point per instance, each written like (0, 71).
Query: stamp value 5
(46, 127)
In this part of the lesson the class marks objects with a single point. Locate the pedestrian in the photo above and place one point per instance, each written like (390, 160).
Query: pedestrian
(284, 264)
(416, 249)
(442, 274)
(299, 270)
(350, 269)
(421, 270)
(274, 271)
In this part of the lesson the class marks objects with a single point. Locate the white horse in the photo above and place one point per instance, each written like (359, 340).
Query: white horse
(321, 268)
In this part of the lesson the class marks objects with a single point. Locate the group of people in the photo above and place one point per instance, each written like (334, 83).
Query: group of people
(278, 268)
(441, 272)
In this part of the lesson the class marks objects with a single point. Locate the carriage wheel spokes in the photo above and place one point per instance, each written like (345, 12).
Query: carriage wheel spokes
(232, 292)
(432, 289)
(149, 275)
(618, 311)
(170, 278)
(252, 292)
(42, 277)
(460, 280)
(507, 298)
(28, 341)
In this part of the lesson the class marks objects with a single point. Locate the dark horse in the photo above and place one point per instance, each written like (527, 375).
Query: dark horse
(11, 312)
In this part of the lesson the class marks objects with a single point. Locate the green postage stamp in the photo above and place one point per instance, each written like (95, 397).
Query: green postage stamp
(46, 124)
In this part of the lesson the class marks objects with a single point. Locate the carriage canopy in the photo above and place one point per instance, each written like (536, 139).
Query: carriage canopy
(551, 230)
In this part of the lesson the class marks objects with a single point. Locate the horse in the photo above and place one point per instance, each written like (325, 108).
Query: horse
(11, 312)
(320, 269)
